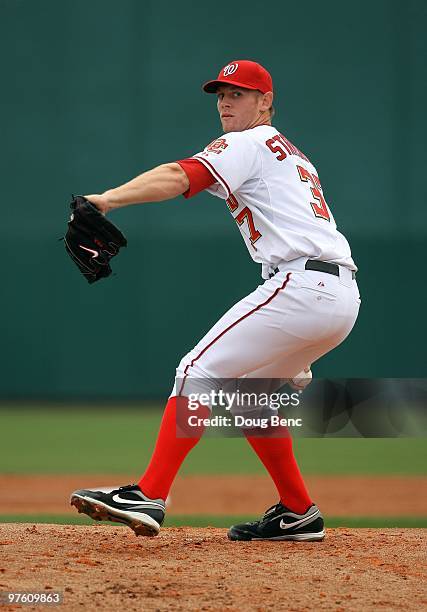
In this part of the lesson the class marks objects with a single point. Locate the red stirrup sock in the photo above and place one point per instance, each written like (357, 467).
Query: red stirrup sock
(278, 458)
(173, 444)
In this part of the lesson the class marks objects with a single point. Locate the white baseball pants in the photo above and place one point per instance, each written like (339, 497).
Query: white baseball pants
(287, 323)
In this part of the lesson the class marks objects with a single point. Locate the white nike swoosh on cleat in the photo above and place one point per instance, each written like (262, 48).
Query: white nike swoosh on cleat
(140, 502)
(284, 525)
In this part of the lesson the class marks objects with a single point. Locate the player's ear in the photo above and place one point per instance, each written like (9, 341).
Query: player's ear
(267, 101)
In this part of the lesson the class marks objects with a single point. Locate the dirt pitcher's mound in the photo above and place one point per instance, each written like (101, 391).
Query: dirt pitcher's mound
(199, 569)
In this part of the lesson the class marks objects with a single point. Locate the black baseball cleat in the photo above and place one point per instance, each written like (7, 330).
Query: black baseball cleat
(280, 523)
(126, 505)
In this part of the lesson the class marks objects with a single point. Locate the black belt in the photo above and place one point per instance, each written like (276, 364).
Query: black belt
(320, 266)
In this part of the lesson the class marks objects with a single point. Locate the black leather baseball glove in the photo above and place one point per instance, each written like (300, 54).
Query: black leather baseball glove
(91, 240)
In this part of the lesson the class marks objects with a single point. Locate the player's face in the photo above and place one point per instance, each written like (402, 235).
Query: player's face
(241, 109)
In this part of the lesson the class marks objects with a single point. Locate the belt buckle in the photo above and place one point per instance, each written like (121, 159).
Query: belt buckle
(275, 271)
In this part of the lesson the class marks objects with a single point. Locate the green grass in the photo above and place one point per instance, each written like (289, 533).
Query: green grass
(120, 439)
(222, 521)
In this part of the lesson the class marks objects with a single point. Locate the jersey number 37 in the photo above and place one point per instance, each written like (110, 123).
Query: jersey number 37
(278, 144)
(320, 208)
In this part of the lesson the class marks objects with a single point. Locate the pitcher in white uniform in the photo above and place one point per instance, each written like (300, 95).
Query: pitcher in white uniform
(306, 306)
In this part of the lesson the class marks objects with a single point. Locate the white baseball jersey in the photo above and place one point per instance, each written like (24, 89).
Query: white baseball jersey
(275, 196)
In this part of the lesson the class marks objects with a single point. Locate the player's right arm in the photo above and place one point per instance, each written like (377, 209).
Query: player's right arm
(162, 183)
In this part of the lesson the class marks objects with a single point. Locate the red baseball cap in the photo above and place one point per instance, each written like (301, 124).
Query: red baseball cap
(242, 73)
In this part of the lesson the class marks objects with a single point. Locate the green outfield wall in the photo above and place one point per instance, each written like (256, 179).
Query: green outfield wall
(94, 92)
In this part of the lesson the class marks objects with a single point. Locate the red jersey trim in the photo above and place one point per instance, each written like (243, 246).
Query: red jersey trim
(199, 176)
(215, 173)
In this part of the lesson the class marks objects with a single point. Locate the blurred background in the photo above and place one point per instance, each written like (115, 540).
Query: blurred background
(95, 92)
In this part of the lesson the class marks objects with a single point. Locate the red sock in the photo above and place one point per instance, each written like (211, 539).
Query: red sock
(277, 456)
(175, 440)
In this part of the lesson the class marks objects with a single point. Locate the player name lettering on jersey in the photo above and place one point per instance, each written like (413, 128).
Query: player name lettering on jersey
(280, 144)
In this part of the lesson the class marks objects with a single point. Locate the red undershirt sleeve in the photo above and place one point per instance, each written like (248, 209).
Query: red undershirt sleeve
(199, 176)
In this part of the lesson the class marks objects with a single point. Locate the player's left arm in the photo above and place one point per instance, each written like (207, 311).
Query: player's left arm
(161, 183)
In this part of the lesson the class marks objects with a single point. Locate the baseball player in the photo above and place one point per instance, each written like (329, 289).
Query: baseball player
(307, 304)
